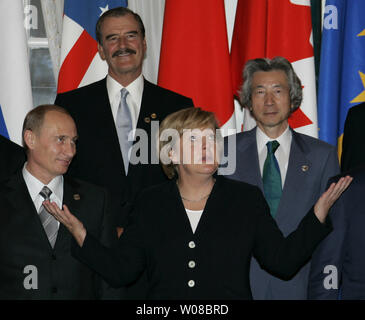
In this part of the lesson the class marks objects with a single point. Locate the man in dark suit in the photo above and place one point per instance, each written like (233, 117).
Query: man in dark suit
(353, 145)
(35, 250)
(338, 263)
(12, 157)
(100, 159)
(301, 164)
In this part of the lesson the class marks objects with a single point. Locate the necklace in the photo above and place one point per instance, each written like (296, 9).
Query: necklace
(193, 200)
(197, 200)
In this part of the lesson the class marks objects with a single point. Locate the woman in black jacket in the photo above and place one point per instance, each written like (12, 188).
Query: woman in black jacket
(196, 234)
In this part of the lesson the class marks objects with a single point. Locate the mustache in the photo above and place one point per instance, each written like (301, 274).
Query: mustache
(123, 51)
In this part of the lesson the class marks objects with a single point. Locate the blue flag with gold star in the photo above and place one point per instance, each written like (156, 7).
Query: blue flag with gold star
(342, 68)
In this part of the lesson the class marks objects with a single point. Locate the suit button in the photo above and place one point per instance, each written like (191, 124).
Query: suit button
(192, 244)
(191, 283)
(54, 257)
(191, 264)
(54, 290)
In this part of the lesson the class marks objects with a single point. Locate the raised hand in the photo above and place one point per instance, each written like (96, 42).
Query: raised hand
(65, 217)
(329, 197)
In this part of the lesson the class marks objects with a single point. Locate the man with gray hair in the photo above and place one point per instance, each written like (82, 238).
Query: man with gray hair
(291, 169)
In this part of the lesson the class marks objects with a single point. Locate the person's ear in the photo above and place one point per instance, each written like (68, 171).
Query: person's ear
(29, 139)
(101, 51)
(173, 156)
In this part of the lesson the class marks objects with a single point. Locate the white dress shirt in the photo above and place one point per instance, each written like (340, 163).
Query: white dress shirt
(35, 186)
(134, 98)
(194, 218)
(282, 153)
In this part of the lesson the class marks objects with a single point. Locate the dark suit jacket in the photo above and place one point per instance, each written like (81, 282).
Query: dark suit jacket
(23, 242)
(99, 159)
(311, 163)
(12, 157)
(344, 249)
(353, 145)
(235, 225)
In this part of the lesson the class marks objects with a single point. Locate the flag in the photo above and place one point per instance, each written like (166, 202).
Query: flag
(194, 58)
(80, 62)
(15, 87)
(269, 28)
(342, 68)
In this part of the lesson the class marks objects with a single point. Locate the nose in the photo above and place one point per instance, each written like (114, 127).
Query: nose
(204, 143)
(269, 99)
(122, 42)
(69, 149)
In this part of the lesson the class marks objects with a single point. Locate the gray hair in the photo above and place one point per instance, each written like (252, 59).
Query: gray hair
(265, 64)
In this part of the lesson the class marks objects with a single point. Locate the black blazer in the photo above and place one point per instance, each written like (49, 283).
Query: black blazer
(342, 252)
(353, 146)
(12, 158)
(99, 159)
(23, 242)
(235, 225)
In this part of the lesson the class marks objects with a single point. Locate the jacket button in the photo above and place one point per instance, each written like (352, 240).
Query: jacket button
(54, 257)
(192, 244)
(191, 264)
(54, 290)
(191, 283)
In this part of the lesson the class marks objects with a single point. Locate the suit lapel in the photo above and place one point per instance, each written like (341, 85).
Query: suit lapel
(23, 206)
(174, 207)
(71, 198)
(248, 159)
(212, 214)
(299, 168)
(102, 114)
(149, 109)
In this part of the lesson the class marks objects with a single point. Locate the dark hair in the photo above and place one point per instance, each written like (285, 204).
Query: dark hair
(117, 12)
(265, 64)
(34, 119)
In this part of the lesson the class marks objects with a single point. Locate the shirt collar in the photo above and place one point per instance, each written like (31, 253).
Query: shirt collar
(284, 139)
(35, 186)
(135, 89)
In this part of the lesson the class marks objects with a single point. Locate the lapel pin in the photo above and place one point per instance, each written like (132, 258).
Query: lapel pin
(147, 120)
(153, 116)
(305, 168)
(76, 196)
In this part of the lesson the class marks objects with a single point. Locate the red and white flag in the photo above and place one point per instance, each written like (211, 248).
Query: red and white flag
(194, 58)
(269, 28)
(80, 62)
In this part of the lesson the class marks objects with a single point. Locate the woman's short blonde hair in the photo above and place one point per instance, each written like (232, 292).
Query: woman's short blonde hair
(189, 118)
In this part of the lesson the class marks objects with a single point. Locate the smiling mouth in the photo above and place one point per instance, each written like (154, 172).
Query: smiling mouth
(65, 162)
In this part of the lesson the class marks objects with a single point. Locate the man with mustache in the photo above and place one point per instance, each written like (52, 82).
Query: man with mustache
(35, 250)
(96, 108)
(105, 110)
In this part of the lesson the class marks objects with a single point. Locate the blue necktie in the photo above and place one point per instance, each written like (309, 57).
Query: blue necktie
(271, 178)
(124, 126)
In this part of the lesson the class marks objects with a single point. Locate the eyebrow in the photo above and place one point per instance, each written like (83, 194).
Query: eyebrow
(275, 85)
(115, 34)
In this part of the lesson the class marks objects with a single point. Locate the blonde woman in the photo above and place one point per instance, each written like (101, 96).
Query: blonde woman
(196, 234)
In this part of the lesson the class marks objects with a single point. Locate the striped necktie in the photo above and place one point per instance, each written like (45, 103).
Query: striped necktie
(49, 223)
